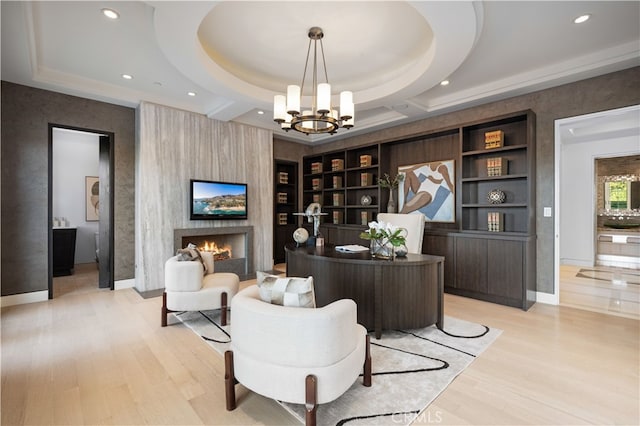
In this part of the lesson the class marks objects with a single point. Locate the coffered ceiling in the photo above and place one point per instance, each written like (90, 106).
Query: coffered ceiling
(236, 55)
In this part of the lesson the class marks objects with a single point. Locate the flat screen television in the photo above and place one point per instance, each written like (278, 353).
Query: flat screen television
(212, 200)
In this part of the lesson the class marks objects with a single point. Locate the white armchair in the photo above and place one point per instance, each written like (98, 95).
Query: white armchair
(187, 289)
(299, 355)
(413, 223)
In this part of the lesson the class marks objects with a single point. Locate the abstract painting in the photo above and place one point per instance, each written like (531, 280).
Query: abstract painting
(428, 189)
(92, 198)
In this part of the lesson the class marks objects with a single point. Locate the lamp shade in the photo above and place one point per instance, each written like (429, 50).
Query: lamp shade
(346, 105)
(293, 99)
(324, 98)
(279, 108)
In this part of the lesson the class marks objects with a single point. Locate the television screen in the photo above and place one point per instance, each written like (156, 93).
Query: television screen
(218, 200)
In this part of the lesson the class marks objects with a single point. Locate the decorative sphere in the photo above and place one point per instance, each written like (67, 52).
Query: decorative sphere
(496, 196)
(365, 200)
(300, 235)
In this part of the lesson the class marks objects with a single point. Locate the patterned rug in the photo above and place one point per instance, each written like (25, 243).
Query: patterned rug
(410, 369)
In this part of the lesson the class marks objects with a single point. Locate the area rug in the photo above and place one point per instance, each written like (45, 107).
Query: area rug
(410, 369)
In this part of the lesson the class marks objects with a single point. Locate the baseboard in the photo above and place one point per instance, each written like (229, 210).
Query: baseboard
(22, 298)
(547, 298)
(122, 284)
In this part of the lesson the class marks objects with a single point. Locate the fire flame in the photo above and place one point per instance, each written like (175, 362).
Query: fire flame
(219, 253)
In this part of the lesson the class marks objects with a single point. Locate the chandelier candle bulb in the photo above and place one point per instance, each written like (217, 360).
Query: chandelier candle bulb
(279, 109)
(324, 98)
(346, 105)
(293, 99)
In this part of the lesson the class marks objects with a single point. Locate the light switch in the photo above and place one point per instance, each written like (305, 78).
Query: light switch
(547, 212)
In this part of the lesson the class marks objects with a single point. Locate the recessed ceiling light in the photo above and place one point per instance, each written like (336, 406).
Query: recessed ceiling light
(127, 76)
(260, 112)
(444, 83)
(582, 18)
(110, 13)
(191, 93)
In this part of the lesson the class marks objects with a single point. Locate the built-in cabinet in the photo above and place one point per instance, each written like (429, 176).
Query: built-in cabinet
(490, 248)
(285, 204)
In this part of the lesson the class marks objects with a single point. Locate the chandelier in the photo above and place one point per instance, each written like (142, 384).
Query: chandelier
(321, 117)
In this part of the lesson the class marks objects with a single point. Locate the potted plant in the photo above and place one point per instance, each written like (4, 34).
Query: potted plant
(385, 238)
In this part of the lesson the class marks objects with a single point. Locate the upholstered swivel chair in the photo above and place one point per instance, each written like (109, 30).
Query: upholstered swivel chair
(188, 289)
(413, 223)
(299, 355)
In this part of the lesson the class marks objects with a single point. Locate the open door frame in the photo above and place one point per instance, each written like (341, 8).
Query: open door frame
(106, 223)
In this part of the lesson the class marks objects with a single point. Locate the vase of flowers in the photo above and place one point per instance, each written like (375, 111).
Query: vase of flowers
(386, 181)
(384, 239)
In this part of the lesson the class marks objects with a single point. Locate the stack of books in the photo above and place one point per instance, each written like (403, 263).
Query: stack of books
(282, 198)
(316, 198)
(366, 179)
(338, 199)
(365, 218)
(495, 222)
(315, 184)
(493, 139)
(283, 177)
(282, 218)
(365, 161)
(337, 217)
(337, 181)
(316, 167)
(337, 164)
(497, 166)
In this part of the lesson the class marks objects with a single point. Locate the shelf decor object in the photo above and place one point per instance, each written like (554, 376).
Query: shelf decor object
(392, 183)
(496, 196)
(493, 139)
(365, 200)
(497, 166)
(322, 117)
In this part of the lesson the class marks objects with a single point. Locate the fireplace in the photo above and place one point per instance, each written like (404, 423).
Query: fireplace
(232, 246)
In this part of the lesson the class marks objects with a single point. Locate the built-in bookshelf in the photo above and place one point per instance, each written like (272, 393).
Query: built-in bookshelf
(285, 204)
(344, 183)
(490, 246)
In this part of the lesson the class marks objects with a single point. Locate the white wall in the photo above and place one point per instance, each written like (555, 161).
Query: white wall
(75, 155)
(577, 194)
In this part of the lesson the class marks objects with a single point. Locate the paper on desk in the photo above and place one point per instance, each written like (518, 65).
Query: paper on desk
(351, 248)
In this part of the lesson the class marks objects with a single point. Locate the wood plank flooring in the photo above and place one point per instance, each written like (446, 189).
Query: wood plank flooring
(615, 291)
(96, 356)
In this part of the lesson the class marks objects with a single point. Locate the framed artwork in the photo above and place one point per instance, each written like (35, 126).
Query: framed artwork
(428, 189)
(92, 198)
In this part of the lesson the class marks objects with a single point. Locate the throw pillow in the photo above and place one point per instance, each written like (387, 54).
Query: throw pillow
(191, 253)
(207, 261)
(286, 291)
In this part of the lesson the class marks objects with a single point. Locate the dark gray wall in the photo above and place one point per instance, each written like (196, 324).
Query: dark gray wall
(602, 93)
(26, 115)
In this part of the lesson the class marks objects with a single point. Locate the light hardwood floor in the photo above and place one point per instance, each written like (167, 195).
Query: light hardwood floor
(96, 356)
(614, 291)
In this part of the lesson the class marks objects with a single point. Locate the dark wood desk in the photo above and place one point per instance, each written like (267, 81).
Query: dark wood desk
(405, 293)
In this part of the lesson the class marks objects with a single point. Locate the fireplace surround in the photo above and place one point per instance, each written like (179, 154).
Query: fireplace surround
(238, 238)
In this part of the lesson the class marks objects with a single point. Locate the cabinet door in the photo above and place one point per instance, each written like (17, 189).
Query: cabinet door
(505, 268)
(471, 264)
(442, 245)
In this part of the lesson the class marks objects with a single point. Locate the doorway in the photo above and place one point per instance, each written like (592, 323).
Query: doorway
(88, 206)
(579, 141)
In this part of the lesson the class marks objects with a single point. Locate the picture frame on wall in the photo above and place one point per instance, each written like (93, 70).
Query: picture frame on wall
(92, 198)
(428, 189)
